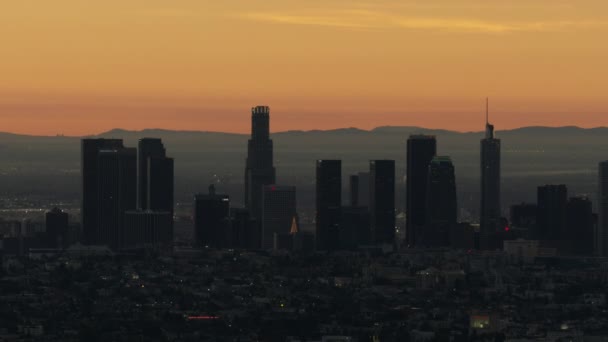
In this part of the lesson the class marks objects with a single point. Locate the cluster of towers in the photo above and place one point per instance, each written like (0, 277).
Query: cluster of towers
(127, 194)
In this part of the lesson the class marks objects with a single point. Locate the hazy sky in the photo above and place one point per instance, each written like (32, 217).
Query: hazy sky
(84, 66)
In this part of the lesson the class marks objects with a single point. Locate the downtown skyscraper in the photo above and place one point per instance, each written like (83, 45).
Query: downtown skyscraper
(490, 210)
(259, 169)
(155, 176)
(441, 209)
(89, 163)
(420, 151)
(382, 201)
(601, 236)
(328, 203)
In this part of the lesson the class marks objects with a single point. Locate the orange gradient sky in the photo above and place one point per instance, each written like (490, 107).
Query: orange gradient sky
(81, 67)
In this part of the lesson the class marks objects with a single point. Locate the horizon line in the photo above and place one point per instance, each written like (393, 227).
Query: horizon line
(291, 130)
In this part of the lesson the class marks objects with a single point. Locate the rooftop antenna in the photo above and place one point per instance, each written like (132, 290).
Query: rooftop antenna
(487, 110)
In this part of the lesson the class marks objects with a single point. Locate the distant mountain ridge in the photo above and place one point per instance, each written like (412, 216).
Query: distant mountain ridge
(347, 130)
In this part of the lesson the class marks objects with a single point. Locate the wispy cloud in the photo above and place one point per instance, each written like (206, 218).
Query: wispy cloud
(361, 19)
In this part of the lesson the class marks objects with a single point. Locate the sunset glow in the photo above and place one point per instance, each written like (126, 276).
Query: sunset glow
(82, 67)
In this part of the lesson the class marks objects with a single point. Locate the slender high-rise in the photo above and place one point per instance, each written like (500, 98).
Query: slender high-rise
(89, 171)
(489, 212)
(278, 213)
(259, 170)
(328, 204)
(117, 180)
(442, 210)
(420, 151)
(382, 201)
(601, 237)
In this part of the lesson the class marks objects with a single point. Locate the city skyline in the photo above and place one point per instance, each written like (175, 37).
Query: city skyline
(196, 64)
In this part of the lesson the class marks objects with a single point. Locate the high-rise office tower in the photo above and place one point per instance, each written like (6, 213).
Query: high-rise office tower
(441, 209)
(551, 212)
(57, 228)
(259, 169)
(382, 201)
(89, 166)
(601, 238)
(278, 212)
(155, 176)
(490, 187)
(420, 151)
(117, 180)
(354, 190)
(212, 219)
(579, 228)
(328, 204)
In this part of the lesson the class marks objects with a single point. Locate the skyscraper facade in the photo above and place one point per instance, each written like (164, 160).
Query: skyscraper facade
(354, 190)
(259, 170)
(490, 211)
(155, 176)
(328, 203)
(117, 179)
(382, 201)
(552, 201)
(57, 228)
(212, 219)
(579, 228)
(601, 238)
(420, 151)
(89, 164)
(441, 208)
(148, 229)
(278, 213)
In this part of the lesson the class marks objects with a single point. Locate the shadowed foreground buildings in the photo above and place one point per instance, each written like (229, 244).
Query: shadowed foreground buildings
(212, 219)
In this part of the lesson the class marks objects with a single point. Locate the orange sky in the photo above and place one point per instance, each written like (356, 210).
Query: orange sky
(80, 67)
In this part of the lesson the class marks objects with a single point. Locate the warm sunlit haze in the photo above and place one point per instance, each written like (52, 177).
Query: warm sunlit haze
(81, 67)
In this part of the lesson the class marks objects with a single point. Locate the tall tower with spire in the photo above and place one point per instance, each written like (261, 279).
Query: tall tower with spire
(259, 170)
(490, 210)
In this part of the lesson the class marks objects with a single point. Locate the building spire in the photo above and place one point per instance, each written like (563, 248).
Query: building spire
(487, 111)
(489, 127)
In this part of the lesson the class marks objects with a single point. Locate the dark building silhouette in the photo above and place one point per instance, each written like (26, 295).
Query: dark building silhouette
(278, 212)
(259, 169)
(155, 172)
(363, 195)
(246, 231)
(354, 191)
(89, 171)
(328, 204)
(524, 216)
(57, 228)
(601, 238)
(148, 229)
(441, 208)
(579, 228)
(212, 219)
(354, 227)
(117, 180)
(382, 201)
(490, 210)
(551, 212)
(420, 151)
